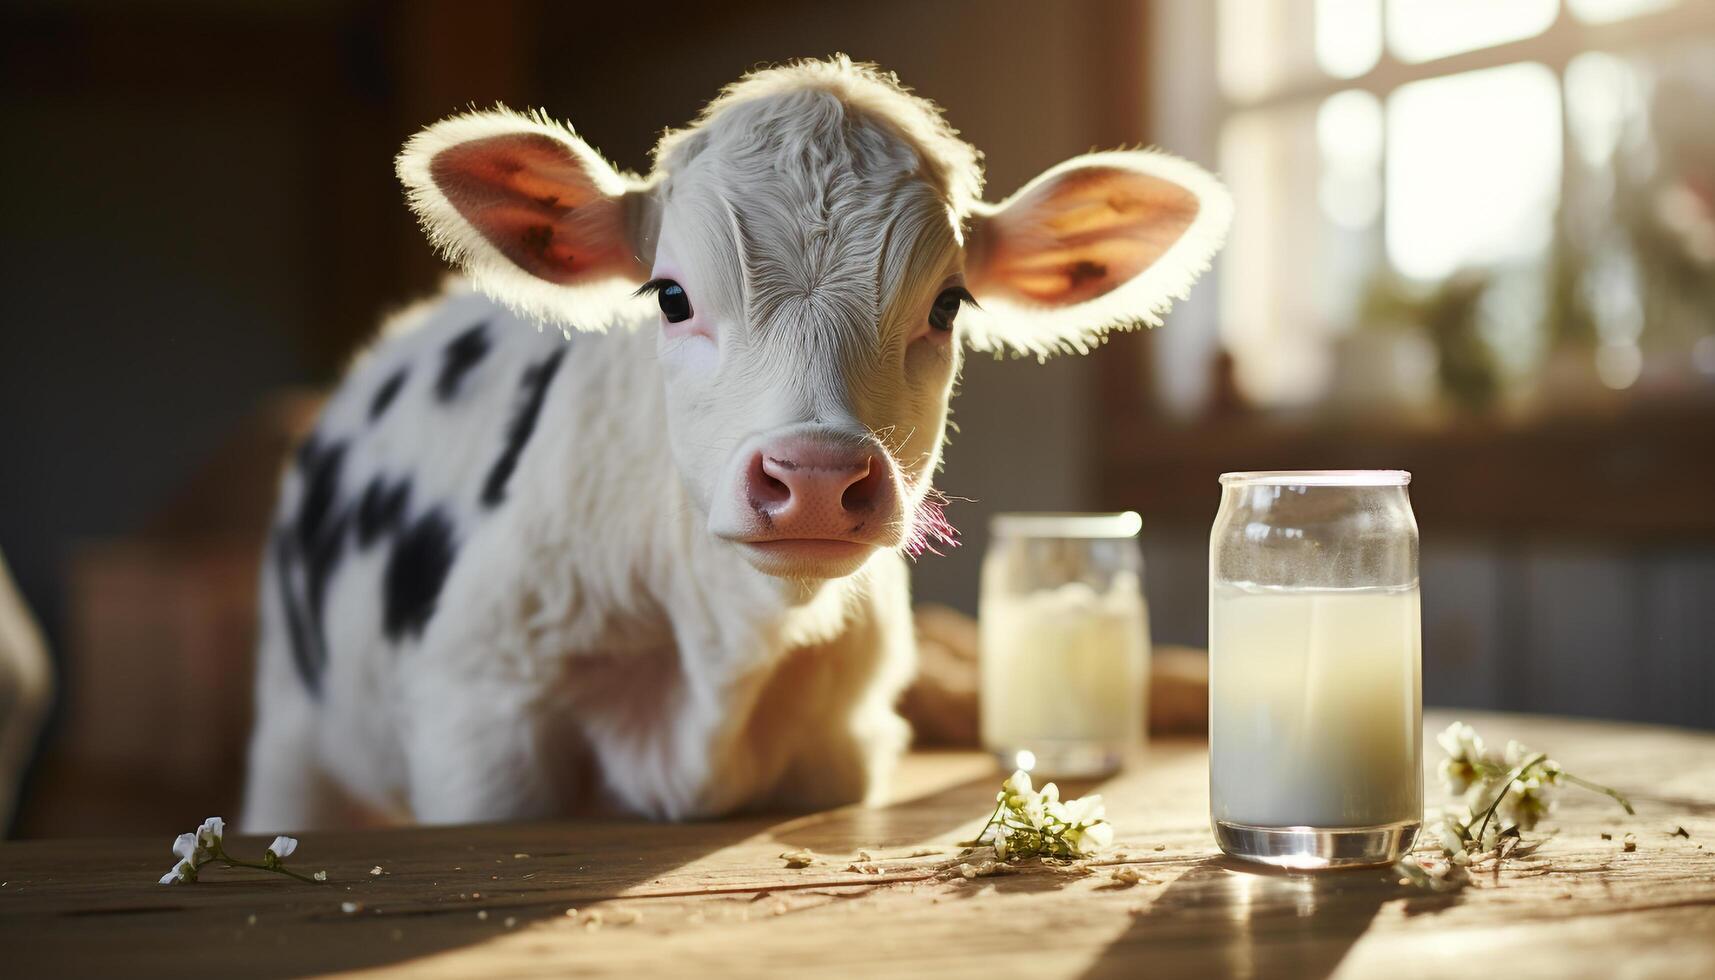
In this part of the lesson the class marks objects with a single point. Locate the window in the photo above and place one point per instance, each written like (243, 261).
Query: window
(1415, 141)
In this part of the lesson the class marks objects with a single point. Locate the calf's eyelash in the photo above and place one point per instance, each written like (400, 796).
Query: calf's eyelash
(964, 296)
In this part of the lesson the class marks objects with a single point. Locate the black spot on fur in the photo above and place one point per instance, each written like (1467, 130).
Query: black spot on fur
(307, 653)
(534, 388)
(461, 354)
(416, 570)
(320, 468)
(385, 394)
(321, 560)
(381, 510)
(308, 553)
(308, 452)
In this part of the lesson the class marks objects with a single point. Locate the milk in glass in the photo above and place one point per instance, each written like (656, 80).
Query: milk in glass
(1065, 642)
(1315, 704)
(1315, 712)
(1065, 665)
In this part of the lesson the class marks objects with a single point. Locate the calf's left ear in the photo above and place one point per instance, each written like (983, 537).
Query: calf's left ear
(531, 212)
(1101, 242)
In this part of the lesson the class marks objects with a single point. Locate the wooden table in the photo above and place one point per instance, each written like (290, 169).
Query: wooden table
(714, 898)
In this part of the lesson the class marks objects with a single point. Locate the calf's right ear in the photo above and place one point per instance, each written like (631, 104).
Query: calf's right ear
(532, 213)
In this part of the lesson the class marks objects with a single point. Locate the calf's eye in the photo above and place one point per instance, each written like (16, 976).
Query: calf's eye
(946, 307)
(675, 305)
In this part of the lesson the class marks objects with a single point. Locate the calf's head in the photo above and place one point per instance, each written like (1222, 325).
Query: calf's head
(819, 253)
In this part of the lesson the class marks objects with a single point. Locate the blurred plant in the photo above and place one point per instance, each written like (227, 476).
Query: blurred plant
(1448, 312)
(1632, 260)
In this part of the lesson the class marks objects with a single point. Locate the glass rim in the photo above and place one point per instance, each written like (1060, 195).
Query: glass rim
(1050, 524)
(1317, 478)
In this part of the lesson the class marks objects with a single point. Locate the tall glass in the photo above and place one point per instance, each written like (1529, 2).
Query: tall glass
(1315, 693)
(1065, 642)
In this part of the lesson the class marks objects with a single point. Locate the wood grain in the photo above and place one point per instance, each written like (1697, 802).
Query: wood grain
(715, 899)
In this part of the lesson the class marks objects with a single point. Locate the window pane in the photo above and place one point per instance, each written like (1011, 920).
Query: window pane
(1349, 136)
(1421, 30)
(1264, 46)
(1305, 238)
(1348, 36)
(1606, 11)
(1473, 169)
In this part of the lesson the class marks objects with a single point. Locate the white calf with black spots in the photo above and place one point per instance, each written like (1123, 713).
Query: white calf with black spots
(653, 558)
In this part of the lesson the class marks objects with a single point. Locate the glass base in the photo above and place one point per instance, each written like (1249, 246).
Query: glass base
(1065, 758)
(1307, 848)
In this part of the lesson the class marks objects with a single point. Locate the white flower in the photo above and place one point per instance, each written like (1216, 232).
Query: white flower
(210, 833)
(1045, 824)
(1456, 775)
(1088, 840)
(1017, 788)
(283, 847)
(1461, 741)
(1491, 837)
(1464, 748)
(185, 846)
(1084, 810)
(184, 871)
(1449, 829)
(1526, 804)
(1034, 812)
(1516, 754)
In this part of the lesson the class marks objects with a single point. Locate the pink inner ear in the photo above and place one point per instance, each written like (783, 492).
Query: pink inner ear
(534, 200)
(1079, 236)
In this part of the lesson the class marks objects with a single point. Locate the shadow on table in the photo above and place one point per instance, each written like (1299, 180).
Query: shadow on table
(1226, 918)
(94, 907)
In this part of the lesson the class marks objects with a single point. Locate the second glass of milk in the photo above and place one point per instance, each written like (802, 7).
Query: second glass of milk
(1065, 642)
(1315, 705)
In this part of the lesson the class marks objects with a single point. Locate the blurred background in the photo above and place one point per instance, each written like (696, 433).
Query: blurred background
(1475, 239)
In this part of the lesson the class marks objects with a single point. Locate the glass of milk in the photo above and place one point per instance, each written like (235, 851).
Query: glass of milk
(1315, 695)
(1065, 642)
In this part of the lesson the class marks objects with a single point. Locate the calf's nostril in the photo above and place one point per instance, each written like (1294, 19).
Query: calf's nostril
(765, 487)
(866, 490)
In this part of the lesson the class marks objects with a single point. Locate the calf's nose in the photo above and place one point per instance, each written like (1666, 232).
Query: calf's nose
(805, 487)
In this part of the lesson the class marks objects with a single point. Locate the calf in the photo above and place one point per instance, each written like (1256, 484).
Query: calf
(654, 559)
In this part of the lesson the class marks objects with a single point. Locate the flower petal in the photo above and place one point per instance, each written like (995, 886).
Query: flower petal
(210, 833)
(283, 846)
(1095, 837)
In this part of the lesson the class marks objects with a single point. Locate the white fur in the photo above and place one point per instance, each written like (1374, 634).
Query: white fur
(1000, 325)
(541, 301)
(599, 641)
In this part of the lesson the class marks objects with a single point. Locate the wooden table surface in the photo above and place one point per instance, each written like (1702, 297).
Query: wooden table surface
(714, 898)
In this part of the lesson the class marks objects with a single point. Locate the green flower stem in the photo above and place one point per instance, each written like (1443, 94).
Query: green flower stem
(1598, 787)
(1506, 787)
(232, 862)
(1491, 770)
(978, 840)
